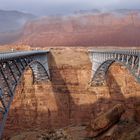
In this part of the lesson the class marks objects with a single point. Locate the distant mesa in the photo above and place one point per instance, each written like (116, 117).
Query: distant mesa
(126, 11)
(84, 28)
(13, 20)
(93, 11)
(11, 24)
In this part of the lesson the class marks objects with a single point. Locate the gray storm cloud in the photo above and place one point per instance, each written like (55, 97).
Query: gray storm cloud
(46, 7)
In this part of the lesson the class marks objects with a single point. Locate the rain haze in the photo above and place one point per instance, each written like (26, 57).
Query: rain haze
(50, 7)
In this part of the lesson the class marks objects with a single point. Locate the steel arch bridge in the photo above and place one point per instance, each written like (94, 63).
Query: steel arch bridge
(12, 67)
(103, 59)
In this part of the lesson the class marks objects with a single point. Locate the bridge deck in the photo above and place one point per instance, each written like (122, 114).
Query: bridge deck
(20, 54)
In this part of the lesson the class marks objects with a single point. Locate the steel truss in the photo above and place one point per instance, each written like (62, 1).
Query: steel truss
(103, 59)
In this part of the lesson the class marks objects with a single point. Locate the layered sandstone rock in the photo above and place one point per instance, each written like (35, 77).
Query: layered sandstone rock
(107, 29)
(105, 121)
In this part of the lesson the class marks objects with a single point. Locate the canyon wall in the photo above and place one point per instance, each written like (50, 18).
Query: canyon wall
(96, 29)
(68, 99)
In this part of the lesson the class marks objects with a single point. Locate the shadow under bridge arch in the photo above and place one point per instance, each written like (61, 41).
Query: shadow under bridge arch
(40, 73)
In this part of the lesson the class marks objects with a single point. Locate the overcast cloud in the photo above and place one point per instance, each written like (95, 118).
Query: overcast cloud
(49, 7)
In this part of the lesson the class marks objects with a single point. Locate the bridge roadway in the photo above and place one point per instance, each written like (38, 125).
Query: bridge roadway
(12, 67)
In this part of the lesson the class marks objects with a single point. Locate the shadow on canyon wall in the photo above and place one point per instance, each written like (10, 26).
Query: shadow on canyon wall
(62, 94)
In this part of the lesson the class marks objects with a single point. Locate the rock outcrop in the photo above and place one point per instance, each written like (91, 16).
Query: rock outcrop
(105, 121)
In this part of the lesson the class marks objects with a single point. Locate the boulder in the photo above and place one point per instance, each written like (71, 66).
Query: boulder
(105, 121)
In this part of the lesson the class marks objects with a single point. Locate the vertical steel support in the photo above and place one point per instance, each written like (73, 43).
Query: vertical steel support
(23, 67)
(122, 58)
(133, 62)
(115, 56)
(127, 60)
(25, 61)
(118, 57)
(2, 102)
(6, 81)
(17, 67)
(11, 71)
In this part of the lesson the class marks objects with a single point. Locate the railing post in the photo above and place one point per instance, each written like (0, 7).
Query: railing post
(122, 58)
(133, 62)
(127, 60)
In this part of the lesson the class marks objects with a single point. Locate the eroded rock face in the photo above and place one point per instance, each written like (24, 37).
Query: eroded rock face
(106, 29)
(106, 120)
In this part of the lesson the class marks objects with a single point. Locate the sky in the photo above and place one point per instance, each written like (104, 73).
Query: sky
(52, 7)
